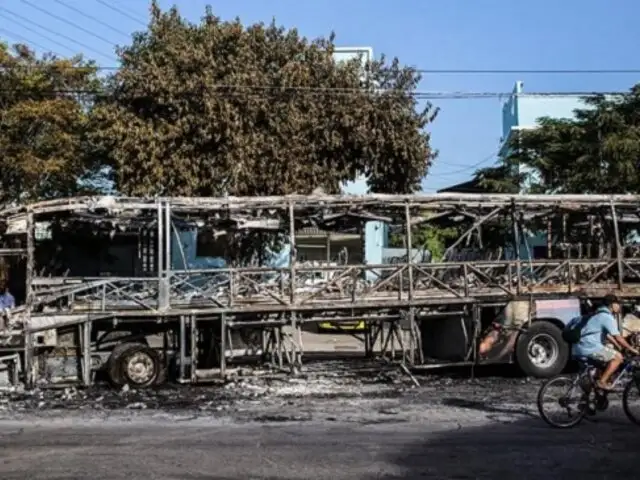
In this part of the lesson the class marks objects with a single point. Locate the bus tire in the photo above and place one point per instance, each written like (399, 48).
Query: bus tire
(541, 351)
(134, 364)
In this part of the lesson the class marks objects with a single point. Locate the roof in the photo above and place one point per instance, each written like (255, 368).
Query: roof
(343, 213)
(470, 186)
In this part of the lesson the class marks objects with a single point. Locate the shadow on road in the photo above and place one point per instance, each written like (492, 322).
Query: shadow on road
(518, 445)
(487, 407)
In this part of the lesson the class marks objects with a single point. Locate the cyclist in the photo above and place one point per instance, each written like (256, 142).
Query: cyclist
(602, 326)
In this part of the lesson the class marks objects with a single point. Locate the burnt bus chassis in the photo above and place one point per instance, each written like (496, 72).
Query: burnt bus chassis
(195, 319)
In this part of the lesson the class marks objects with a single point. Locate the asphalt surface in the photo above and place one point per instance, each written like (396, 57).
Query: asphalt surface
(311, 428)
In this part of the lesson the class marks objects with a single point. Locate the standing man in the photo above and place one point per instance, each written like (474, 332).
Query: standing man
(6, 299)
(7, 302)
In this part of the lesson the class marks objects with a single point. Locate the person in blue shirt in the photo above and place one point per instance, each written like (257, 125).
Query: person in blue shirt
(600, 328)
(6, 299)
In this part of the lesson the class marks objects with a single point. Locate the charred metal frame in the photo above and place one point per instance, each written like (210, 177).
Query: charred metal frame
(279, 301)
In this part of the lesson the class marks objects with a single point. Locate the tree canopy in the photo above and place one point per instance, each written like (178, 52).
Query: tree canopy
(43, 141)
(597, 151)
(216, 108)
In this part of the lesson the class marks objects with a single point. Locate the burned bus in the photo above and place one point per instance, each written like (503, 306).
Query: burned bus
(143, 291)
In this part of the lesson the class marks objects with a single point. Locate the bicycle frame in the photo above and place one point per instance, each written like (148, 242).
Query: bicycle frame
(623, 375)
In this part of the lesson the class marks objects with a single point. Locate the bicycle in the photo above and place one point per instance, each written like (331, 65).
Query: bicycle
(590, 398)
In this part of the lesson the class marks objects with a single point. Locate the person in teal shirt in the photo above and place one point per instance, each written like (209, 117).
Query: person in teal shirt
(600, 328)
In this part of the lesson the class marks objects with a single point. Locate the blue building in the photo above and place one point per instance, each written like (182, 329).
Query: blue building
(522, 111)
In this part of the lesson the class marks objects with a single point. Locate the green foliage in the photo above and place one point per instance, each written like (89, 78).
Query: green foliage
(216, 108)
(435, 239)
(42, 131)
(432, 238)
(597, 151)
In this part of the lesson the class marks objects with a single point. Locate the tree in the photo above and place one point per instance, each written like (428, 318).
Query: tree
(597, 151)
(43, 123)
(432, 238)
(216, 108)
(503, 178)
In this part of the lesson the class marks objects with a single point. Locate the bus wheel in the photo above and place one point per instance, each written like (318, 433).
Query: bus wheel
(541, 351)
(134, 364)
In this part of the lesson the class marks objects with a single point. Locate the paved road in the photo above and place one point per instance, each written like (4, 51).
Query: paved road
(323, 427)
(462, 448)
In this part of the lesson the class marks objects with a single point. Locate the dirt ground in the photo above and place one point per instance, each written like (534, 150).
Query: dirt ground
(331, 423)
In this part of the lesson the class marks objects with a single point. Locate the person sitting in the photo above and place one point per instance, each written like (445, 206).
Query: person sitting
(600, 327)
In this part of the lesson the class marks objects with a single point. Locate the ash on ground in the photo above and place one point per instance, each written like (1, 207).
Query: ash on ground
(260, 394)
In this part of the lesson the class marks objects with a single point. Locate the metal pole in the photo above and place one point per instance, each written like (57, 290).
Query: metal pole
(194, 348)
(292, 253)
(223, 345)
(182, 335)
(614, 217)
(86, 353)
(159, 257)
(407, 221)
(28, 360)
(167, 255)
(30, 263)
(28, 338)
(516, 246)
(328, 247)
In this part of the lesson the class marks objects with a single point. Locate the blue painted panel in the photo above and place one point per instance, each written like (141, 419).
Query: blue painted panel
(564, 310)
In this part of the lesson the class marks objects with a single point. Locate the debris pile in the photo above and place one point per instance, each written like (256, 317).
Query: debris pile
(260, 394)
(325, 382)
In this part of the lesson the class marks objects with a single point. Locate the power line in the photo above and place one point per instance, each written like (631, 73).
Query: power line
(474, 166)
(52, 40)
(64, 20)
(463, 72)
(121, 12)
(91, 17)
(529, 72)
(124, 7)
(61, 35)
(263, 91)
(20, 37)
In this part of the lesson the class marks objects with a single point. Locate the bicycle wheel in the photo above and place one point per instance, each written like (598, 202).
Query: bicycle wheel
(630, 395)
(571, 399)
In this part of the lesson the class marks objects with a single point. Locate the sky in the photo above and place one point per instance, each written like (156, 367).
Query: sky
(427, 34)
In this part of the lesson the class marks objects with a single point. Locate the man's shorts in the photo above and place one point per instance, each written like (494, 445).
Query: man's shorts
(606, 354)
